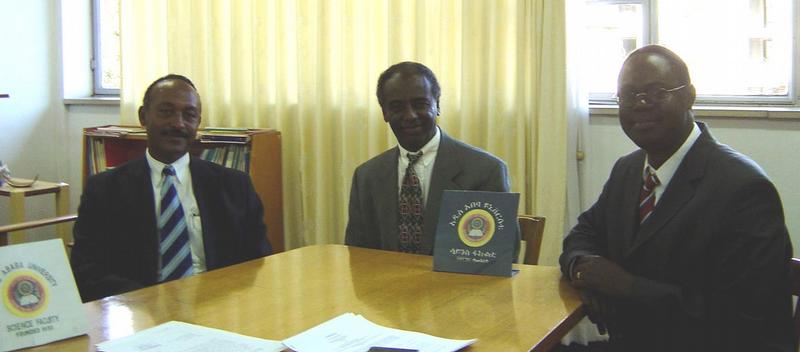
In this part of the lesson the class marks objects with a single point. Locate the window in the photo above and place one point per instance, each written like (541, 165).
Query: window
(106, 58)
(738, 51)
(614, 29)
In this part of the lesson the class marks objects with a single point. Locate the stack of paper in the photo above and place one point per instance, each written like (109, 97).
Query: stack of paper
(346, 333)
(353, 333)
(178, 336)
(115, 131)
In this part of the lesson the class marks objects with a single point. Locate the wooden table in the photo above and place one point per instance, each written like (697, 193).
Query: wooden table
(17, 197)
(284, 294)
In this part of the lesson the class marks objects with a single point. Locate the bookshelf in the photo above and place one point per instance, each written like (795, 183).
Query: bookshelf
(254, 151)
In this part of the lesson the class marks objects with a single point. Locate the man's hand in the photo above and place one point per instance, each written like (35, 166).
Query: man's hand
(602, 275)
(599, 310)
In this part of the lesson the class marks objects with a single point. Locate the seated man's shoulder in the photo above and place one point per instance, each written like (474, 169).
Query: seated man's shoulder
(378, 162)
(474, 154)
(632, 159)
(217, 170)
(119, 173)
(733, 164)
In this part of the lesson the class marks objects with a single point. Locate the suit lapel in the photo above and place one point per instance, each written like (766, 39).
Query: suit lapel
(142, 203)
(446, 169)
(632, 184)
(388, 185)
(680, 190)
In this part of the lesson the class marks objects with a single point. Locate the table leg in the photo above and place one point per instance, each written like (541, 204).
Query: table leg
(17, 205)
(62, 208)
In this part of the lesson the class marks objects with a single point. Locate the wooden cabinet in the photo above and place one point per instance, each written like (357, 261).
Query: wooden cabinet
(254, 151)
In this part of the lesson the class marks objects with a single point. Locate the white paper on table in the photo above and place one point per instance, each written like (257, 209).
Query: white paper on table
(176, 336)
(353, 333)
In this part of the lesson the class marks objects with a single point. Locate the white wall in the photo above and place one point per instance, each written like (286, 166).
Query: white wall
(771, 143)
(31, 120)
(38, 134)
(42, 136)
(78, 118)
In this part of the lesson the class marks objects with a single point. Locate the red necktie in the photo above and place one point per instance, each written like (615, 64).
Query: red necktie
(647, 197)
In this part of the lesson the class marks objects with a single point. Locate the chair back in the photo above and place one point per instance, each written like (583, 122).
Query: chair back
(796, 292)
(531, 229)
(6, 229)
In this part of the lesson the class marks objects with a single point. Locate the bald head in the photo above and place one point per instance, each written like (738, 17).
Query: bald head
(677, 65)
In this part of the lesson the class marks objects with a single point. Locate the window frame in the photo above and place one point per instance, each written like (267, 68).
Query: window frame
(650, 36)
(647, 38)
(97, 57)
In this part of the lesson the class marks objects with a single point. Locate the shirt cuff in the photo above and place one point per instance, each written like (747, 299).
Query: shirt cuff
(572, 267)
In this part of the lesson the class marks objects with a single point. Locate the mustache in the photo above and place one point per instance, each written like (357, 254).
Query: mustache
(410, 125)
(175, 133)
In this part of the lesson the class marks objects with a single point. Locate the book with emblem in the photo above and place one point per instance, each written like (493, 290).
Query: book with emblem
(476, 232)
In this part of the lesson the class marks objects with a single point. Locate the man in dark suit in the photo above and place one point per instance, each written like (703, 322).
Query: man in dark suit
(166, 215)
(382, 215)
(686, 248)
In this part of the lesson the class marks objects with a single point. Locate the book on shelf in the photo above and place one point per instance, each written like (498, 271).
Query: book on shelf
(233, 156)
(226, 129)
(206, 137)
(116, 131)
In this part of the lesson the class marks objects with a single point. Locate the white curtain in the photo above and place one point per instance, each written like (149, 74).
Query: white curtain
(308, 68)
(578, 102)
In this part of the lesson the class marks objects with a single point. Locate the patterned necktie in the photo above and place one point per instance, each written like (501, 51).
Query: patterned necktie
(647, 197)
(410, 209)
(176, 256)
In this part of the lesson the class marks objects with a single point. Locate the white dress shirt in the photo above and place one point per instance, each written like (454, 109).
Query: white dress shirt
(183, 185)
(423, 167)
(669, 167)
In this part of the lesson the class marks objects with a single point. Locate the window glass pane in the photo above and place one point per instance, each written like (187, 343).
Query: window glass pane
(732, 47)
(108, 60)
(612, 31)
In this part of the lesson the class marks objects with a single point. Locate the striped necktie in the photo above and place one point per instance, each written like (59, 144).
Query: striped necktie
(176, 256)
(410, 208)
(647, 197)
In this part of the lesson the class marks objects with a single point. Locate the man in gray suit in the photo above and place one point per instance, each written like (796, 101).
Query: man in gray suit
(396, 207)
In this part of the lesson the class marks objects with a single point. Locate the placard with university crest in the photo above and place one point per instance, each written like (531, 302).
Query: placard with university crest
(40, 302)
(476, 232)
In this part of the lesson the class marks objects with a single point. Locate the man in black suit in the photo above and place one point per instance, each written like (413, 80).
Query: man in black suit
(686, 248)
(408, 93)
(130, 234)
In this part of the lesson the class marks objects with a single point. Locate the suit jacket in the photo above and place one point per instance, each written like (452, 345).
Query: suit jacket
(711, 262)
(116, 238)
(373, 195)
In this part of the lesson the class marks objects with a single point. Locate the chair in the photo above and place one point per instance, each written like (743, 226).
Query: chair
(17, 197)
(5, 229)
(531, 229)
(795, 277)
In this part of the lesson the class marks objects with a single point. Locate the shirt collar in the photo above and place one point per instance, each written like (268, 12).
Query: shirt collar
(428, 150)
(669, 167)
(181, 167)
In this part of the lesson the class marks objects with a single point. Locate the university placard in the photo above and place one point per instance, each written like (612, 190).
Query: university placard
(40, 301)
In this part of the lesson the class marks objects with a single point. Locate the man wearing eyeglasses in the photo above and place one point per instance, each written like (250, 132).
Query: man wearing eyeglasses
(686, 248)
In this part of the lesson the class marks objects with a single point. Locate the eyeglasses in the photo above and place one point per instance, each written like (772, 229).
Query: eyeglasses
(650, 96)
